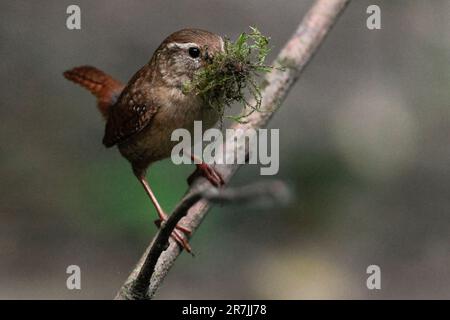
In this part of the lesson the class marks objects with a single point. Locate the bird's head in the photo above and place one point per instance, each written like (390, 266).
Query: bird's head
(183, 53)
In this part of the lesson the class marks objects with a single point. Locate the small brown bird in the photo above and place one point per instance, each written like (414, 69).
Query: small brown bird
(141, 116)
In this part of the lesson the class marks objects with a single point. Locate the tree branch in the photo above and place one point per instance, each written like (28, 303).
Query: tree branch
(159, 258)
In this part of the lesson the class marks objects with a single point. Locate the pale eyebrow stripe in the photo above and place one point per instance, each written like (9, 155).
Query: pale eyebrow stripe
(182, 45)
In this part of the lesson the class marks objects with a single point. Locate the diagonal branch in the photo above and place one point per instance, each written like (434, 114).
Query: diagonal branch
(276, 192)
(157, 260)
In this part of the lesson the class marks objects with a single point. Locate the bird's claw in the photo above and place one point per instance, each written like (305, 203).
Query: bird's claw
(177, 235)
(210, 173)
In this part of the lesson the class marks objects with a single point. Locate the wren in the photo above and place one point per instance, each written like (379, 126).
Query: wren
(141, 115)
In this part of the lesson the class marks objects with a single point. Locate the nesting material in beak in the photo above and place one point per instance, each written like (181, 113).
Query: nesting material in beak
(231, 75)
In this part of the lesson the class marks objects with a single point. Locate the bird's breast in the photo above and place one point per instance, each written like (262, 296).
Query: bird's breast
(176, 110)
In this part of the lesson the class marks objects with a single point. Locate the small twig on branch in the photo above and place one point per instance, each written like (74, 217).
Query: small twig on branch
(156, 262)
(270, 194)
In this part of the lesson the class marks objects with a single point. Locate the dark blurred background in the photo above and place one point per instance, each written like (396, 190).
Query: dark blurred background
(364, 145)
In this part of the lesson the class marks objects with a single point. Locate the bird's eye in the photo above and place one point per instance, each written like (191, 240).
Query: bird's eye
(194, 52)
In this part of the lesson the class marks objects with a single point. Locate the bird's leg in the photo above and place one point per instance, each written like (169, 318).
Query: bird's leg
(207, 171)
(176, 235)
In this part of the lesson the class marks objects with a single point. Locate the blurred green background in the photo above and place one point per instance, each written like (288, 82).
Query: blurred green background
(364, 146)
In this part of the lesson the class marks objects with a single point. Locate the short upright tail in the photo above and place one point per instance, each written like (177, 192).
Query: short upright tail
(103, 86)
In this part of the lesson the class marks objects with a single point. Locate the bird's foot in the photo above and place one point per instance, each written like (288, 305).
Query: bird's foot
(205, 170)
(178, 234)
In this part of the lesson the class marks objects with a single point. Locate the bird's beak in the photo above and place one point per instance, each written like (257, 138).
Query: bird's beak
(208, 57)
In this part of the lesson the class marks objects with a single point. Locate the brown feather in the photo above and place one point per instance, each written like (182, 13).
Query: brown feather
(132, 112)
(103, 86)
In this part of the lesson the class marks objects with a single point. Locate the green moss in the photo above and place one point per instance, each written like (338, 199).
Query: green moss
(232, 76)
